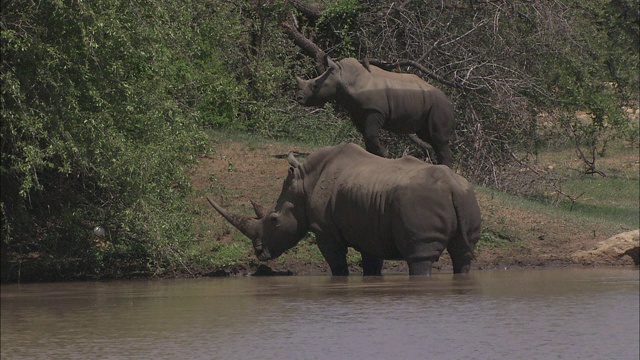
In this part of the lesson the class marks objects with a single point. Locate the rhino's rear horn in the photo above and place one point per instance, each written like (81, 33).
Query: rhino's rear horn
(258, 209)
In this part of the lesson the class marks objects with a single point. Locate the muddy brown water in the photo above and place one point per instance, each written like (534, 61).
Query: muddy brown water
(515, 314)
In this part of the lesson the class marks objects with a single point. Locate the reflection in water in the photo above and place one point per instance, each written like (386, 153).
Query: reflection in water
(563, 313)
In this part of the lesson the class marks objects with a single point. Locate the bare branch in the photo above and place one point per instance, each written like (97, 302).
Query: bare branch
(545, 176)
(311, 11)
(307, 46)
(397, 64)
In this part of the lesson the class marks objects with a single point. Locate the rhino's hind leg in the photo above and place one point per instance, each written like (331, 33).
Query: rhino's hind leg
(371, 265)
(421, 258)
(370, 130)
(460, 256)
(444, 155)
(461, 265)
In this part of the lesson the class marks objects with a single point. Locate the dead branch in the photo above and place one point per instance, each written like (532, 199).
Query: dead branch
(422, 69)
(308, 47)
(311, 11)
(545, 176)
(589, 164)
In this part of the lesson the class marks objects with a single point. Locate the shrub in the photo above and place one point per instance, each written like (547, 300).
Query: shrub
(96, 131)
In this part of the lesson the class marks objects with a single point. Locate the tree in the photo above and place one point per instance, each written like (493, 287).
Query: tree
(504, 64)
(96, 130)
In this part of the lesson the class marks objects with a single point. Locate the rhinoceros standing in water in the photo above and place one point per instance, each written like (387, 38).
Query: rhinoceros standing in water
(383, 208)
(378, 99)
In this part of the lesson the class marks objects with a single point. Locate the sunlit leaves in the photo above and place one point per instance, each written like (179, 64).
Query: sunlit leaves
(91, 130)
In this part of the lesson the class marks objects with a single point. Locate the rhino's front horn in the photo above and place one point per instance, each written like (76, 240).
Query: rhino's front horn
(248, 226)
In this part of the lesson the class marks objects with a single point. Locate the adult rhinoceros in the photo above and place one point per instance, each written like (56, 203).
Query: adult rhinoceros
(383, 208)
(377, 99)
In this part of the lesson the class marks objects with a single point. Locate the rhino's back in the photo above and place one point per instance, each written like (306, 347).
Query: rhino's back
(349, 169)
(358, 80)
(360, 166)
(404, 99)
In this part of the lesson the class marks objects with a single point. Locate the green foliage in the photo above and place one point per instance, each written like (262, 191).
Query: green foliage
(229, 254)
(97, 130)
(491, 240)
(338, 25)
(210, 85)
(589, 65)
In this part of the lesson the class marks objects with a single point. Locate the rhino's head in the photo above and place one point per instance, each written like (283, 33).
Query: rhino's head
(279, 229)
(318, 91)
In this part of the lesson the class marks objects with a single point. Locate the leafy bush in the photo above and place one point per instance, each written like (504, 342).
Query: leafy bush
(97, 130)
(338, 27)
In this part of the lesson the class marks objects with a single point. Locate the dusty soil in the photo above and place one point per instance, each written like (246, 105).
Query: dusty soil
(240, 170)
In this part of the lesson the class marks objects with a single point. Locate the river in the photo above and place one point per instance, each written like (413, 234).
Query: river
(516, 314)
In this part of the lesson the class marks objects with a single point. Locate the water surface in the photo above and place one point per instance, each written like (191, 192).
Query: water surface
(516, 314)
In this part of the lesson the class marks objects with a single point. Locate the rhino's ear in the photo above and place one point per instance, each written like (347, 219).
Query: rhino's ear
(365, 63)
(292, 160)
(300, 82)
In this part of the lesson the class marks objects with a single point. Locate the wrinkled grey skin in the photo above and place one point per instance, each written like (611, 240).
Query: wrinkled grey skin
(385, 209)
(378, 99)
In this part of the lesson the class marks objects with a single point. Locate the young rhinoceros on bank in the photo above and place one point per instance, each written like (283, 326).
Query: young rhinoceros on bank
(383, 208)
(377, 99)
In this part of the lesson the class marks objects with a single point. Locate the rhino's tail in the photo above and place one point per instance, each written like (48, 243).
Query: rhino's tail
(460, 206)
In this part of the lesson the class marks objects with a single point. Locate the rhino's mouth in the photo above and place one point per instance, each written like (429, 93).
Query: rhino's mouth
(262, 253)
(306, 100)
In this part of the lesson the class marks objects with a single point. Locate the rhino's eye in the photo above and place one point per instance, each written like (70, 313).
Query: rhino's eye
(274, 219)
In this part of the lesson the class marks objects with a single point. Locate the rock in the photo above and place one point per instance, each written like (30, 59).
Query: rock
(218, 273)
(264, 270)
(612, 251)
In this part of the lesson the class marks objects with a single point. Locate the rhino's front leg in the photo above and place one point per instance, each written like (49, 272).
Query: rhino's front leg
(371, 265)
(334, 254)
(444, 155)
(370, 130)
